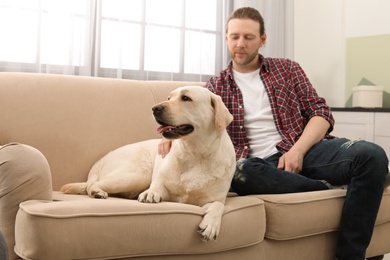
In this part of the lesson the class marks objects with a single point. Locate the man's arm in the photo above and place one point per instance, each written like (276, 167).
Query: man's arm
(313, 133)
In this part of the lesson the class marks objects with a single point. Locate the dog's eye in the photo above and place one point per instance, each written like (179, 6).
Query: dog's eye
(185, 98)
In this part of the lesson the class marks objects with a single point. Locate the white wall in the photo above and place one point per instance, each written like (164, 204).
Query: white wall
(321, 28)
(319, 46)
(367, 18)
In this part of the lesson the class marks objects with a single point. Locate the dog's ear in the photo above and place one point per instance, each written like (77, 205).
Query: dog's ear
(222, 115)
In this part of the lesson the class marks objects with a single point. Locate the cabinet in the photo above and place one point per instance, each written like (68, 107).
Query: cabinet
(371, 125)
(382, 131)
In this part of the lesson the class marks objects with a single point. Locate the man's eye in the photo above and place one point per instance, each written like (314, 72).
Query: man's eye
(185, 98)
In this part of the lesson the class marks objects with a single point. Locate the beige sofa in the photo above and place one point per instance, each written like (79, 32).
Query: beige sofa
(72, 121)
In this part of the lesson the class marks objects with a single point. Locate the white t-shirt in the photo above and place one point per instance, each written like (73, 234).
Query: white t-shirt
(258, 119)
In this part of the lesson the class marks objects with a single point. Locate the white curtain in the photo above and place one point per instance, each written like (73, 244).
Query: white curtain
(46, 36)
(138, 39)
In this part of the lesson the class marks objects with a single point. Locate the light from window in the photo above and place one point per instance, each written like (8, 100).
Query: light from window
(62, 39)
(120, 45)
(162, 46)
(74, 7)
(178, 36)
(199, 56)
(19, 35)
(63, 32)
(123, 9)
(100, 37)
(166, 12)
(201, 14)
(44, 31)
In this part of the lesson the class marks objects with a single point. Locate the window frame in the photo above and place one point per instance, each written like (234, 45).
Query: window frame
(92, 67)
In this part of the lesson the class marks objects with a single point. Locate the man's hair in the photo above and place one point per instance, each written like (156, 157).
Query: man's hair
(247, 13)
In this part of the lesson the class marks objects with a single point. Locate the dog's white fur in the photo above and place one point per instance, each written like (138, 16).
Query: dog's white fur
(198, 169)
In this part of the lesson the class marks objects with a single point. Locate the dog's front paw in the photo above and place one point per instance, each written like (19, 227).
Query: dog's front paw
(209, 229)
(149, 196)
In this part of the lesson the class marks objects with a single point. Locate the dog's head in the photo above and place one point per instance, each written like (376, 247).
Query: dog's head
(190, 110)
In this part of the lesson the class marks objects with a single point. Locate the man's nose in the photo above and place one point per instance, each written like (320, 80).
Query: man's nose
(240, 42)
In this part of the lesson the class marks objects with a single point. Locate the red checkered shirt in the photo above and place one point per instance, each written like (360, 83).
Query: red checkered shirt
(292, 97)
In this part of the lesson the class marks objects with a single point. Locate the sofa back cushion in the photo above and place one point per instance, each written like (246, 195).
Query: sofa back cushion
(75, 120)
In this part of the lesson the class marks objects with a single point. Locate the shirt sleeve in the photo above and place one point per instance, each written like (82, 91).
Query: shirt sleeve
(312, 104)
(210, 85)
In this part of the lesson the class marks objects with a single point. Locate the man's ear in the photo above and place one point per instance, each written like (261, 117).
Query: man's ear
(263, 40)
(222, 115)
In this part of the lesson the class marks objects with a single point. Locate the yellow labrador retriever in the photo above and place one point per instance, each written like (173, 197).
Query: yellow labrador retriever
(198, 169)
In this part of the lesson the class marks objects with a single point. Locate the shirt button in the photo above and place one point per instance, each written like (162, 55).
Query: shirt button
(241, 126)
(245, 147)
(240, 107)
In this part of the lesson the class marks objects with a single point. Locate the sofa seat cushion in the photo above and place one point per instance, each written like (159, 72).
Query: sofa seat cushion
(291, 216)
(79, 227)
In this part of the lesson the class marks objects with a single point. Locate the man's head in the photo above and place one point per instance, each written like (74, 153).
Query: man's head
(245, 34)
(247, 13)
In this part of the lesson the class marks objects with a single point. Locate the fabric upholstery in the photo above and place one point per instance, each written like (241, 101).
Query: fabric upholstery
(74, 121)
(53, 128)
(306, 214)
(128, 225)
(24, 175)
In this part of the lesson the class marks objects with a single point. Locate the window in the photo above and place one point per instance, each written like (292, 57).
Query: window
(138, 39)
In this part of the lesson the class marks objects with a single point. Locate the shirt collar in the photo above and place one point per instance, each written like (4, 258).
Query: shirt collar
(264, 66)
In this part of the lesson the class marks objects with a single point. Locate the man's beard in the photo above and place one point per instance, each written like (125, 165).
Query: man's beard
(248, 60)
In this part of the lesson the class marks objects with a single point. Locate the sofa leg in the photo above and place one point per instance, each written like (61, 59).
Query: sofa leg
(379, 257)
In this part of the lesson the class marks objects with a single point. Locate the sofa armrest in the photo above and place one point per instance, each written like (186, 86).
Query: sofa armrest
(24, 175)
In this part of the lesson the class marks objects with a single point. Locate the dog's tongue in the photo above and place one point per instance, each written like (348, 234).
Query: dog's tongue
(163, 129)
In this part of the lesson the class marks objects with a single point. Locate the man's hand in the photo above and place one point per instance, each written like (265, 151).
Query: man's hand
(314, 132)
(164, 147)
(291, 161)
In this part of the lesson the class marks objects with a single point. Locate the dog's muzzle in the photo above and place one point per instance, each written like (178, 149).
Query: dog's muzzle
(168, 130)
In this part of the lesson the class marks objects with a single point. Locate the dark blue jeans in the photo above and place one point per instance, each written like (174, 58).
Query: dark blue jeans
(3, 248)
(360, 164)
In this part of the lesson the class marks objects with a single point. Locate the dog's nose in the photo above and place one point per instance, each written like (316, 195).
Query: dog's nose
(158, 109)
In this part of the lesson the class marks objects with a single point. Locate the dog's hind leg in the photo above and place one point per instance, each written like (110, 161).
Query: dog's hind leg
(120, 184)
(94, 190)
(75, 188)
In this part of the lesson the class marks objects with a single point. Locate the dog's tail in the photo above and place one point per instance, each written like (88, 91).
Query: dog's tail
(75, 188)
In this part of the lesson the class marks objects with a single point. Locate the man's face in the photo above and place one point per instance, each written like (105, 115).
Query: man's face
(243, 39)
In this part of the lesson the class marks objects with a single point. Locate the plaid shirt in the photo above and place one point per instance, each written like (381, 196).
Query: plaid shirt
(292, 97)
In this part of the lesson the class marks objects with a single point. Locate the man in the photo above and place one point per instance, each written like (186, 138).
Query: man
(281, 135)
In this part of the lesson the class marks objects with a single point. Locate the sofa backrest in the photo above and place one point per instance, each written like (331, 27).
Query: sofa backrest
(75, 120)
